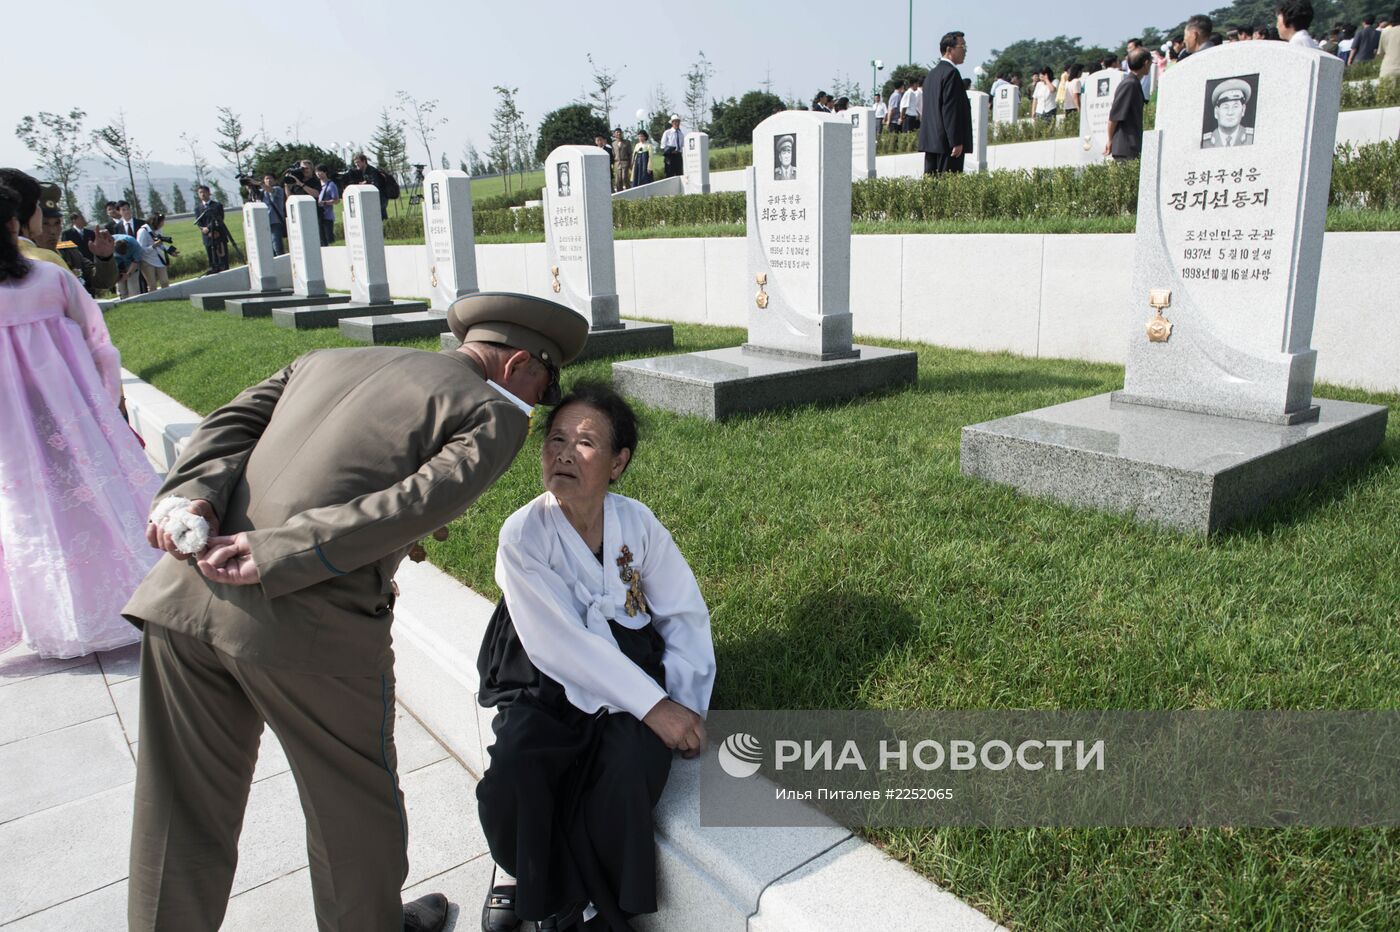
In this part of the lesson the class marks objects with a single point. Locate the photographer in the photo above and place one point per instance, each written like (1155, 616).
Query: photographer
(301, 179)
(154, 253)
(365, 173)
(209, 217)
(275, 197)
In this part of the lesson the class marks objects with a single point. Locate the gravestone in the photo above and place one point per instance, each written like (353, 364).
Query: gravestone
(450, 256)
(1006, 107)
(369, 276)
(696, 162)
(862, 120)
(976, 160)
(308, 275)
(579, 253)
(262, 266)
(1094, 106)
(1217, 418)
(799, 270)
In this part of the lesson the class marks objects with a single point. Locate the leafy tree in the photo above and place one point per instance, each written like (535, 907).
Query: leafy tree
(905, 73)
(177, 200)
(1028, 55)
(505, 122)
(472, 162)
(734, 121)
(602, 97)
(277, 159)
(661, 110)
(120, 150)
(154, 202)
(237, 148)
(218, 192)
(697, 90)
(573, 125)
(58, 143)
(99, 206)
(388, 145)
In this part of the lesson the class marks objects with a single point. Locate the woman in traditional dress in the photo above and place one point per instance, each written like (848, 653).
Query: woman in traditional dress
(75, 485)
(600, 664)
(641, 159)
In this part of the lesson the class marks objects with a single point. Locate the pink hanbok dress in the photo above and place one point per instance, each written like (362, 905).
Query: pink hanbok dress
(75, 486)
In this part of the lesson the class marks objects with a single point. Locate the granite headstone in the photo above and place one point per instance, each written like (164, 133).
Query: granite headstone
(696, 161)
(1094, 106)
(257, 231)
(863, 140)
(304, 255)
(976, 160)
(1006, 106)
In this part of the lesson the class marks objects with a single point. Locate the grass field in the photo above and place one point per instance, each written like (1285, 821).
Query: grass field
(848, 564)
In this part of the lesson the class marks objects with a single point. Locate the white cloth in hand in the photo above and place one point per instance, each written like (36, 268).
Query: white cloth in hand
(189, 530)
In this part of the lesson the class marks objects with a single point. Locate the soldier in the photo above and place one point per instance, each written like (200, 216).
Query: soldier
(784, 170)
(1230, 100)
(320, 480)
(43, 200)
(622, 159)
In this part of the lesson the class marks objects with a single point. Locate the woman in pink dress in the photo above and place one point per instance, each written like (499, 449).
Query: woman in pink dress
(75, 486)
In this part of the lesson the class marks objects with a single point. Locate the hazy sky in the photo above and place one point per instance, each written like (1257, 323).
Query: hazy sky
(170, 65)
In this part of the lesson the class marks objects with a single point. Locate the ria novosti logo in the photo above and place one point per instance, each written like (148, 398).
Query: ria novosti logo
(740, 755)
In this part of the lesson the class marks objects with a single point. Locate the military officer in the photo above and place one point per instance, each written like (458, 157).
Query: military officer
(1230, 100)
(316, 483)
(785, 170)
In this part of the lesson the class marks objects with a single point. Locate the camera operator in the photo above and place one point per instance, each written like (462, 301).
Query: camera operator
(365, 173)
(155, 254)
(273, 195)
(301, 179)
(209, 217)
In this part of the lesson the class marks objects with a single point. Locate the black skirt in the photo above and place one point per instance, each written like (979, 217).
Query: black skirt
(566, 801)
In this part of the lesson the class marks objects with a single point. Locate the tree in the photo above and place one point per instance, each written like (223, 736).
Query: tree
(1028, 55)
(905, 73)
(217, 190)
(277, 159)
(154, 202)
(120, 150)
(58, 144)
(602, 96)
(421, 117)
(574, 125)
(734, 120)
(177, 200)
(472, 162)
(388, 146)
(661, 110)
(504, 121)
(697, 90)
(99, 205)
(234, 145)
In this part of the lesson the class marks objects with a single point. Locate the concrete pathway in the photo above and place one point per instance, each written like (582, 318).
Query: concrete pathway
(67, 764)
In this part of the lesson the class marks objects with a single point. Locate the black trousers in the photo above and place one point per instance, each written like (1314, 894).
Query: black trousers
(937, 163)
(674, 163)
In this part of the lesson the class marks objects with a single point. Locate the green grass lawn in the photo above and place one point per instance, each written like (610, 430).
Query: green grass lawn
(848, 564)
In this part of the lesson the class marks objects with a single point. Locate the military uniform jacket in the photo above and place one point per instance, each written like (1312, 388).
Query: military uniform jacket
(334, 467)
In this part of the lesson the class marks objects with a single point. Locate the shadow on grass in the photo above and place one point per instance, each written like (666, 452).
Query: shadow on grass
(1000, 381)
(819, 652)
(155, 370)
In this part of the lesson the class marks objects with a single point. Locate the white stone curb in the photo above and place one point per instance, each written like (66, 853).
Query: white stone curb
(720, 879)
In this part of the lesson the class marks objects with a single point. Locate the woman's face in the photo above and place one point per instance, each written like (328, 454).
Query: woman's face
(577, 461)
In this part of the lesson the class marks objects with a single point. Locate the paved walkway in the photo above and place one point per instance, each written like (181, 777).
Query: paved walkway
(67, 765)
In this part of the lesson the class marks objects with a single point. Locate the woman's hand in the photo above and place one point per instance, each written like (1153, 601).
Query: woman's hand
(678, 728)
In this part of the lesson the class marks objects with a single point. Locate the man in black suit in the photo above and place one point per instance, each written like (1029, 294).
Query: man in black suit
(126, 222)
(78, 234)
(110, 225)
(945, 134)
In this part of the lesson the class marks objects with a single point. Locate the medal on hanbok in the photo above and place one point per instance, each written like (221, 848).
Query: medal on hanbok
(636, 601)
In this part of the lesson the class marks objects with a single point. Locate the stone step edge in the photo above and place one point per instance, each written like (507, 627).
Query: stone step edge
(825, 878)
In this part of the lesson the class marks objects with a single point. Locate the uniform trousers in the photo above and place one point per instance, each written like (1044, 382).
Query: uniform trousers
(202, 713)
(938, 163)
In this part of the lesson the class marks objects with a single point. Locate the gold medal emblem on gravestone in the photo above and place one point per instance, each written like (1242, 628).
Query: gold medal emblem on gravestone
(433, 270)
(556, 286)
(1159, 329)
(352, 271)
(761, 299)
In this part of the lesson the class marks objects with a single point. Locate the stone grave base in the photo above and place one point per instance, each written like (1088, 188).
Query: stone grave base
(1177, 469)
(329, 315)
(392, 328)
(634, 336)
(716, 384)
(215, 300)
(263, 307)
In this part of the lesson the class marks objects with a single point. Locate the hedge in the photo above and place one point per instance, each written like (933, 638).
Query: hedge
(1363, 176)
(1365, 96)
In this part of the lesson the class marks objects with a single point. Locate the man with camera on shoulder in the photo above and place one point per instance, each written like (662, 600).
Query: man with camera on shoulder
(362, 172)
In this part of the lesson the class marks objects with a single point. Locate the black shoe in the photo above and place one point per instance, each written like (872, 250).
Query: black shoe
(498, 912)
(566, 920)
(425, 914)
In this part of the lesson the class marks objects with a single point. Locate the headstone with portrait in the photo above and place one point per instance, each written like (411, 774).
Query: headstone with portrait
(1094, 106)
(799, 273)
(863, 140)
(369, 273)
(976, 160)
(579, 254)
(450, 264)
(263, 275)
(307, 270)
(696, 162)
(1006, 104)
(1217, 417)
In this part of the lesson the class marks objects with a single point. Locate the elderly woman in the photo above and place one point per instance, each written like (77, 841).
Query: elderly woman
(599, 662)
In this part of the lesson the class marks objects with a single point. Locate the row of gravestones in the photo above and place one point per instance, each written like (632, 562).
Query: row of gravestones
(1094, 106)
(1216, 419)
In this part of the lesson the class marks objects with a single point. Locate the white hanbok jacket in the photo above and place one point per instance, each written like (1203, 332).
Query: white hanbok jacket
(560, 600)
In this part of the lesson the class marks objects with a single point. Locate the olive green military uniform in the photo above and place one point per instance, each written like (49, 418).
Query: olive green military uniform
(334, 467)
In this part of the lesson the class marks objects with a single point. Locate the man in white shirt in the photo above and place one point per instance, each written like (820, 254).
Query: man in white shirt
(912, 105)
(1294, 18)
(672, 145)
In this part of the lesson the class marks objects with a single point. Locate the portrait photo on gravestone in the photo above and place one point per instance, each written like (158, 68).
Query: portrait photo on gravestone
(785, 158)
(1228, 112)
